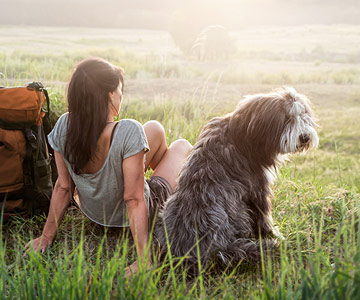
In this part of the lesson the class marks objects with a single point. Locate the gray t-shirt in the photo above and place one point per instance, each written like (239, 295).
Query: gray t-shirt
(101, 193)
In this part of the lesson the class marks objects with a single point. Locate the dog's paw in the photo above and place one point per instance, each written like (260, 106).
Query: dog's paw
(277, 234)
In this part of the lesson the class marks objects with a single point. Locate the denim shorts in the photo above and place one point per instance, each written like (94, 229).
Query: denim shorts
(160, 190)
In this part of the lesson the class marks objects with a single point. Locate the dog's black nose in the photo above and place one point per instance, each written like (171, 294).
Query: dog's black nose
(304, 138)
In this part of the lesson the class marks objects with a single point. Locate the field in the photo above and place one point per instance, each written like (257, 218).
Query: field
(317, 196)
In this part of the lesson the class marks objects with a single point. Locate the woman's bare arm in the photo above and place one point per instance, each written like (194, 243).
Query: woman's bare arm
(133, 169)
(60, 199)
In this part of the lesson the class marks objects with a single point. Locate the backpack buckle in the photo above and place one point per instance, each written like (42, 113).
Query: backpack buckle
(30, 136)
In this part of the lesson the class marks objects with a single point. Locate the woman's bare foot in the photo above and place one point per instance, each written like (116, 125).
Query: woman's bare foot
(133, 268)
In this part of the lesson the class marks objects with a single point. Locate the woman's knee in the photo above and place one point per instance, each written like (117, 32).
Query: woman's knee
(182, 145)
(155, 134)
(154, 126)
(154, 130)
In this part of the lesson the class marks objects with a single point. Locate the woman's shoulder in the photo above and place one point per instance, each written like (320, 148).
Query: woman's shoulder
(62, 119)
(129, 130)
(56, 137)
(131, 125)
(61, 123)
(130, 135)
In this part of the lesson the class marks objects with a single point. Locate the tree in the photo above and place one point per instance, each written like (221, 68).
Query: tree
(213, 43)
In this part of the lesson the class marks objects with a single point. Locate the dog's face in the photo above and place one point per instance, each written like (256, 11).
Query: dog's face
(279, 122)
(300, 128)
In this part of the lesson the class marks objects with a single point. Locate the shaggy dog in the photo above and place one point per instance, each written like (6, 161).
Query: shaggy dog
(223, 194)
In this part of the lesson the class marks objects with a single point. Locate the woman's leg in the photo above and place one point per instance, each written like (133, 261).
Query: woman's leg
(155, 135)
(170, 165)
(166, 162)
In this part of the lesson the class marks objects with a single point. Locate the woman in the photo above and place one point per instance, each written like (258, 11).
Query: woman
(106, 160)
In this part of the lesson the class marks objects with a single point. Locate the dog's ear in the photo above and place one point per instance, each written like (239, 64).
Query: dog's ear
(258, 123)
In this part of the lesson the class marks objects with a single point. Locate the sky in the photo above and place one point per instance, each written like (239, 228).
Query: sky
(159, 14)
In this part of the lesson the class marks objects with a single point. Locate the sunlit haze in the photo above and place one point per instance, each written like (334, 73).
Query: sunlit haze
(158, 14)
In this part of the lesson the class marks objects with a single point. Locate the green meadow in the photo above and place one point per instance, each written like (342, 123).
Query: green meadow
(316, 203)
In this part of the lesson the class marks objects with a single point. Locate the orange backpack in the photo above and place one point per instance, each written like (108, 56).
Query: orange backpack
(25, 169)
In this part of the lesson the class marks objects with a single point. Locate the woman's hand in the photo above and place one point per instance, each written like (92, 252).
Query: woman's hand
(39, 244)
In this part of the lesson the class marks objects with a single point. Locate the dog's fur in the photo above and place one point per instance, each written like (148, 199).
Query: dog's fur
(223, 194)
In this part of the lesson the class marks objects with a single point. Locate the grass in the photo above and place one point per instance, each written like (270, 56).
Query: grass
(316, 196)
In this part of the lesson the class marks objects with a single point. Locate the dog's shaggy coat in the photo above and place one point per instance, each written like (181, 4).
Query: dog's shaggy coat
(223, 194)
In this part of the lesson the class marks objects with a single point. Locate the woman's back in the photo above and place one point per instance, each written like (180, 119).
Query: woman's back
(102, 149)
(101, 186)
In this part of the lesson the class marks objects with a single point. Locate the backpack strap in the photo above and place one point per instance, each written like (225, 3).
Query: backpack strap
(15, 125)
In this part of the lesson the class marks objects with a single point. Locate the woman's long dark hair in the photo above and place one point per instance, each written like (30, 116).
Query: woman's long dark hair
(88, 105)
